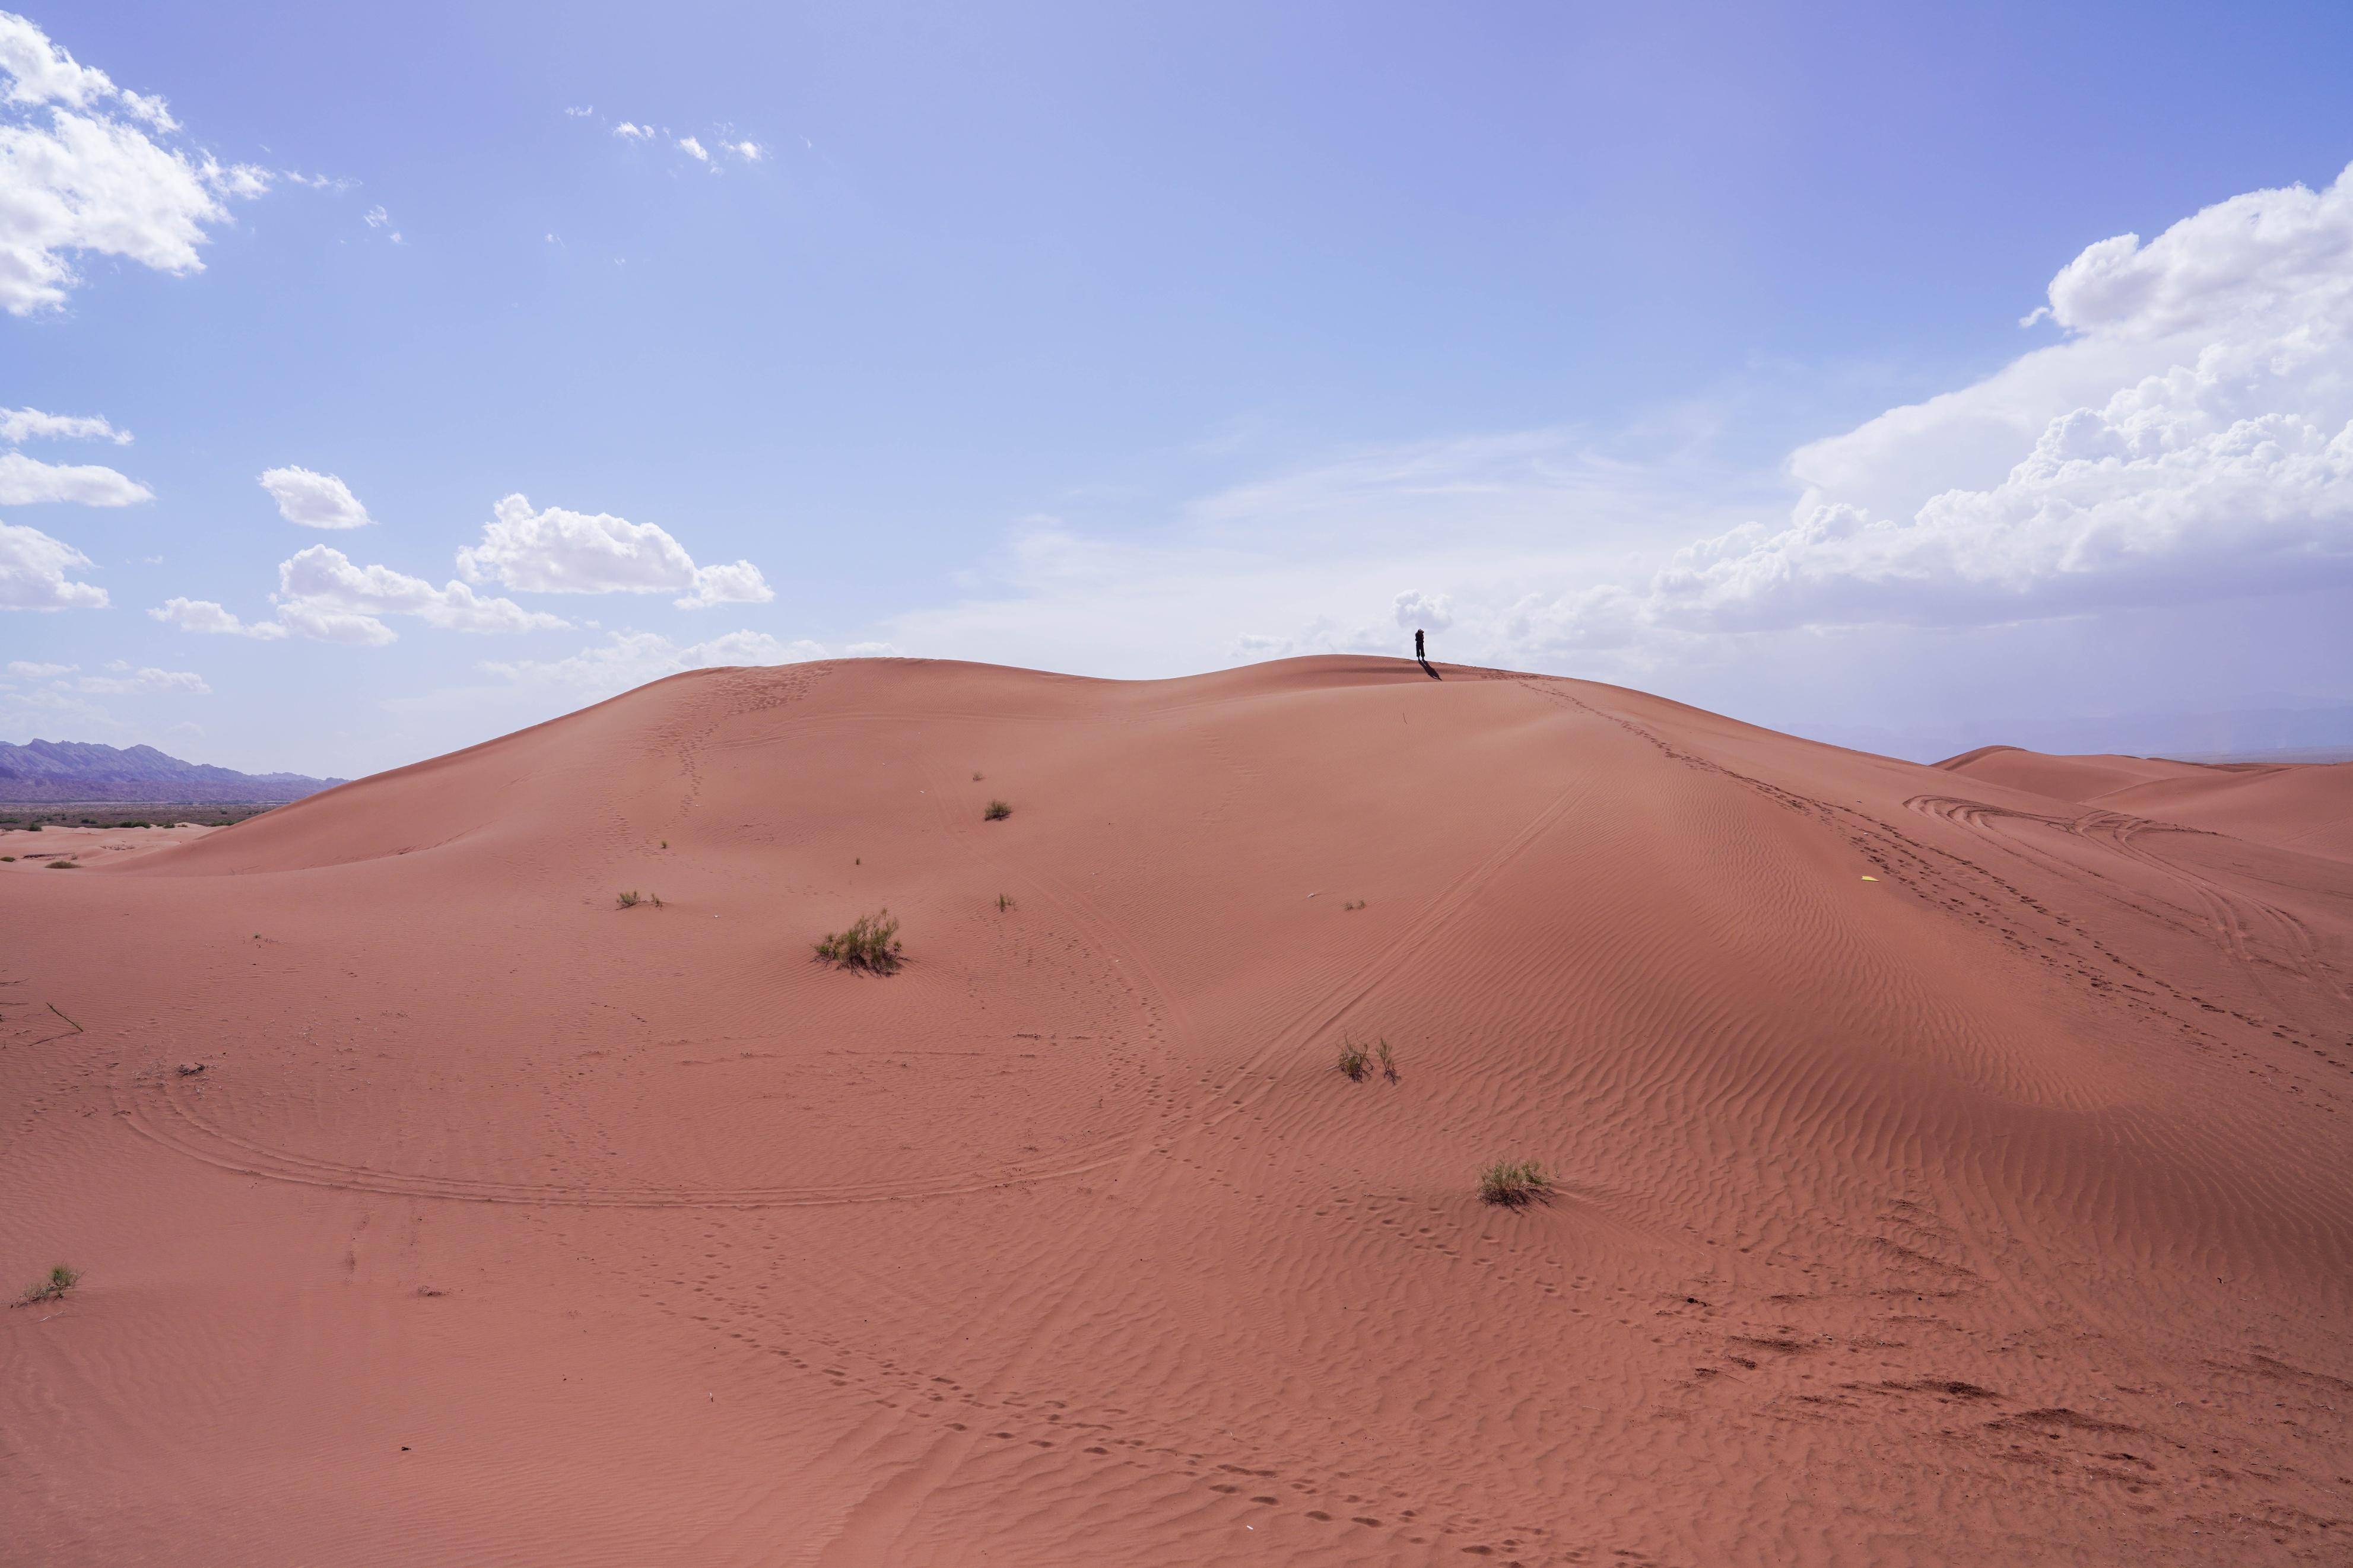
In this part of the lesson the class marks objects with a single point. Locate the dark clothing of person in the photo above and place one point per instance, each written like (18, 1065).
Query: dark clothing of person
(1416, 643)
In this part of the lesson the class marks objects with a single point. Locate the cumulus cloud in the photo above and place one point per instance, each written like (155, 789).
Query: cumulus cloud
(1433, 612)
(205, 615)
(36, 572)
(630, 132)
(561, 551)
(323, 622)
(750, 152)
(322, 593)
(693, 149)
(31, 669)
(2192, 440)
(314, 500)
(125, 681)
(82, 174)
(26, 481)
(632, 658)
(21, 424)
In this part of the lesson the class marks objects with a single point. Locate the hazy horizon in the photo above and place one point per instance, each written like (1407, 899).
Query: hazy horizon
(376, 391)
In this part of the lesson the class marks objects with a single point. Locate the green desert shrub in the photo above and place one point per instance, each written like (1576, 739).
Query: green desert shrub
(51, 1286)
(632, 899)
(64, 865)
(1513, 1182)
(872, 943)
(997, 811)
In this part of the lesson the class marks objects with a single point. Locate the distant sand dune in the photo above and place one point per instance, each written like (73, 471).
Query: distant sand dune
(1950, 1164)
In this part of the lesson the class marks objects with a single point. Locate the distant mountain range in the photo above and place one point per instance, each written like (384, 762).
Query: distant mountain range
(85, 771)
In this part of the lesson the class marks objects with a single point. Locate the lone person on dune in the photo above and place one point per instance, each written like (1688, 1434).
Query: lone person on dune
(1419, 657)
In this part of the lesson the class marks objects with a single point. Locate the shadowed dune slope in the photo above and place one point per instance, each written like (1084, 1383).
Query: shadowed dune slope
(1950, 1164)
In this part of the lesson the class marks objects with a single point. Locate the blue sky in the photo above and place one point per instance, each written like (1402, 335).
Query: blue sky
(1649, 343)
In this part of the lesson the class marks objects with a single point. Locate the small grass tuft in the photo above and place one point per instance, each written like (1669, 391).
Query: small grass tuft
(50, 1287)
(1354, 1061)
(1004, 903)
(870, 943)
(632, 899)
(997, 812)
(1354, 904)
(1388, 1060)
(1514, 1184)
(976, 775)
(64, 865)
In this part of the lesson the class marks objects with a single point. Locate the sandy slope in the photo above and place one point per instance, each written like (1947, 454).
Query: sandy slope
(2303, 806)
(1950, 1172)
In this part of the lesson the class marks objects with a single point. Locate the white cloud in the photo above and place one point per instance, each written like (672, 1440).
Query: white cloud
(2192, 440)
(739, 583)
(35, 571)
(376, 217)
(40, 73)
(632, 658)
(28, 669)
(323, 593)
(325, 596)
(1433, 612)
(629, 133)
(750, 152)
(80, 173)
(561, 551)
(127, 682)
(323, 622)
(21, 424)
(26, 481)
(693, 149)
(580, 113)
(203, 616)
(314, 500)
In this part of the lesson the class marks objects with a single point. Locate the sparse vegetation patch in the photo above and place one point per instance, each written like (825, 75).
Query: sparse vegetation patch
(1514, 1184)
(632, 899)
(1003, 903)
(64, 865)
(997, 812)
(1388, 1060)
(870, 943)
(1354, 1061)
(51, 1286)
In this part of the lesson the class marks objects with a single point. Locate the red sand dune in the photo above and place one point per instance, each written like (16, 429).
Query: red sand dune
(1945, 1173)
(2296, 805)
